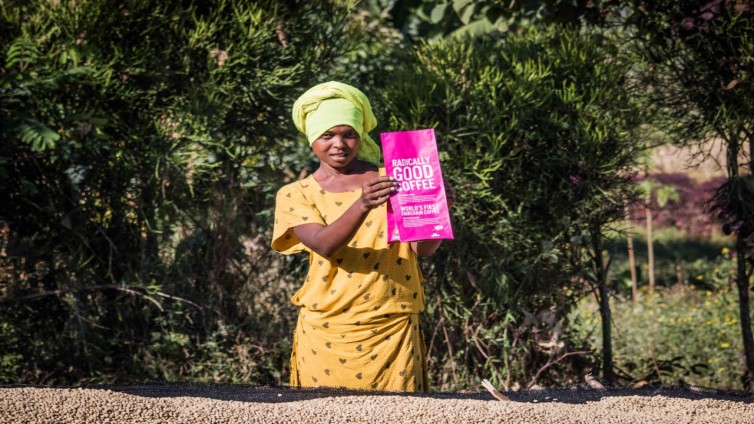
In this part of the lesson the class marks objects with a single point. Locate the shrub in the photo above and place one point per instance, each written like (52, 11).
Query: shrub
(684, 334)
(536, 135)
(142, 144)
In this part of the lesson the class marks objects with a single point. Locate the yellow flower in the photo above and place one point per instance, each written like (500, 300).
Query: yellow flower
(700, 277)
(725, 250)
(724, 345)
(708, 293)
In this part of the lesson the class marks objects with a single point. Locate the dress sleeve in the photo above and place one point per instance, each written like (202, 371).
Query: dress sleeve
(292, 208)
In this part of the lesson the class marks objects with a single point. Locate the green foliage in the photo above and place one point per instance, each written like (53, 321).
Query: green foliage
(663, 192)
(680, 258)
(142, 144)
(686, 333)
(433, 20)
(678, 336)
(700, 69)
(700, 74)
(537, 135)
(376, 50)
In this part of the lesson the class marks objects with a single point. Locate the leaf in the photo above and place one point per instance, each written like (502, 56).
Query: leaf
(21, 51)
(40, 136)
(438, 12)
(476, 28)
(665, 193)
(731, 85)
(464, 9)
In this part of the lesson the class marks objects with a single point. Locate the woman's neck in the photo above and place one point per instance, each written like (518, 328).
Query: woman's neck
(349, 177)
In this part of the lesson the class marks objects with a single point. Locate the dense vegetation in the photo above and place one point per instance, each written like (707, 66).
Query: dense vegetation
(538, 140)
(142, 145)
(143, 142)
(687, 332)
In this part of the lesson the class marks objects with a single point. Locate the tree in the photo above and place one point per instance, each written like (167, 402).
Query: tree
(699, 71)
(662, 193)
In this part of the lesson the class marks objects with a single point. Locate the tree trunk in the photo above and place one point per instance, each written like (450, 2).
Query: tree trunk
(607, 345)
(604, 301)
(742, 282)
(742, 277)
(631, 259)
(650, 250)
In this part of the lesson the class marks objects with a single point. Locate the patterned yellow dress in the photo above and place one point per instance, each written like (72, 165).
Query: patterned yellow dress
(358, 324)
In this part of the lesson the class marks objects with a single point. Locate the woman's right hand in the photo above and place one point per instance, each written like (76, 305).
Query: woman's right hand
(377, 191)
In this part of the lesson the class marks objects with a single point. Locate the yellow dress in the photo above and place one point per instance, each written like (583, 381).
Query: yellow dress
(358, 324)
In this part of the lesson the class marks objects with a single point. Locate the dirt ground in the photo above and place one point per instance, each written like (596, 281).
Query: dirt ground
(200, 403)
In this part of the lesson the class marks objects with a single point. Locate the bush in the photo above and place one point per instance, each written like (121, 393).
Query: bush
(684, 334)
(142, 145)
(536, 133)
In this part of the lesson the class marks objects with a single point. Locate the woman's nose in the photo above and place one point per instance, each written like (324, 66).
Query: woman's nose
(337, 141)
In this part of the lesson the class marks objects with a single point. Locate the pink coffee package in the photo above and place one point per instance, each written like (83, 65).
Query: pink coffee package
(418, 210)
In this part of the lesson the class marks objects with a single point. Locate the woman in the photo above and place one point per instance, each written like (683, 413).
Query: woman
(358, 325)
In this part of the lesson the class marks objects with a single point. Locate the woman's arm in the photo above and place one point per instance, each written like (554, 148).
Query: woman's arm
(327, 239)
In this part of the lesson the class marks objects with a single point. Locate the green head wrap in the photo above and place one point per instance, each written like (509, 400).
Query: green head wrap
(331, 104)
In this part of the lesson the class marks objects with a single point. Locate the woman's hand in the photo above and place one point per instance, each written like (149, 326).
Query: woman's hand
(376, 192)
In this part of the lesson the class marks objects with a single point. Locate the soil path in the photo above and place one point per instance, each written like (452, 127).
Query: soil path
(192, 403)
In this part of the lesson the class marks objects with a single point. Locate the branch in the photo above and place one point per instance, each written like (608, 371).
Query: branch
(550, 363)
(447, 338)
(91, 288)
(102, 287)
(179, 299)
(478, 343)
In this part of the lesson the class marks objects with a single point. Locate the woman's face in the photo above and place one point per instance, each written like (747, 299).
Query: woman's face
(337, 147)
